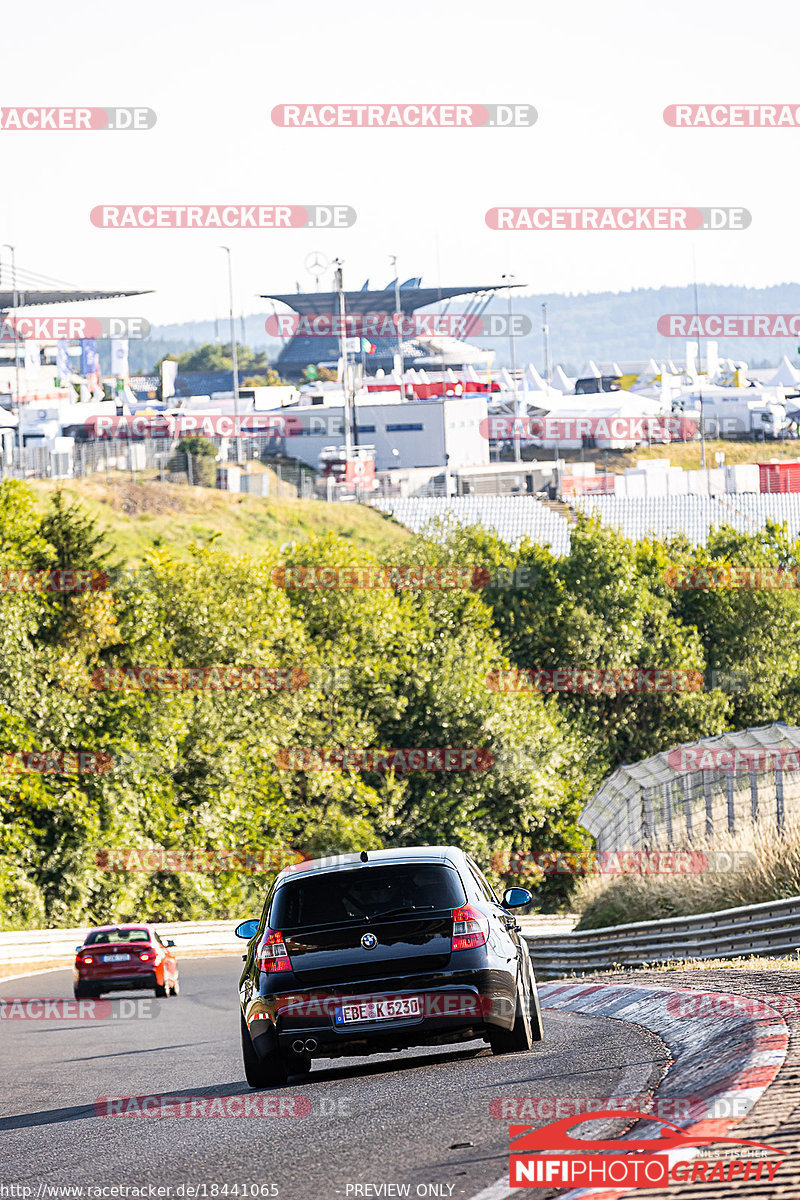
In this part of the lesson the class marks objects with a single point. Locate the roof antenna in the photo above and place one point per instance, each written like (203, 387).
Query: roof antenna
(363, 856)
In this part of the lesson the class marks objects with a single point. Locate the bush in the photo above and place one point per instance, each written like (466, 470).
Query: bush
(204, 460)
(769, 869)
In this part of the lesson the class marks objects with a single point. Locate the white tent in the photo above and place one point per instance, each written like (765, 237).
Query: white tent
(785, 376)
(561, 381)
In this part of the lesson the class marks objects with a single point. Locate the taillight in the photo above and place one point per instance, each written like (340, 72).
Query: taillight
(470, 928)
(272, 953)
(146, 957)
(87, 960)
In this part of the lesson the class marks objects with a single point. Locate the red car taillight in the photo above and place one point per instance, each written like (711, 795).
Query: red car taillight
(146, 957)
(470, 928)
(272, 953)
(87, 960)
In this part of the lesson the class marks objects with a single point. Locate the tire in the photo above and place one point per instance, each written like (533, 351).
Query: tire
(537, 1025)
(520, 1035)
(83, 991)
(270, 1071)
(161, 990)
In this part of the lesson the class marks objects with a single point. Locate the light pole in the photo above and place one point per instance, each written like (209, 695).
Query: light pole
(237, 430)
(348, 419)
(399, 321)
(16, 347)
(517, 450)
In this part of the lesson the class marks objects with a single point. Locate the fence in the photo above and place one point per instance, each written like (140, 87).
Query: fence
(160, 460)
(772, 928)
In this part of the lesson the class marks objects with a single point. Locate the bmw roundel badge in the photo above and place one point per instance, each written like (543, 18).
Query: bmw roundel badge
(369, 941)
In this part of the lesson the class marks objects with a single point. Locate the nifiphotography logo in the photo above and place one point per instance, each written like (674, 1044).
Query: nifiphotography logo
(551, 1157)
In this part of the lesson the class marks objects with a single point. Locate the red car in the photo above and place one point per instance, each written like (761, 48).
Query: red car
(115, 958)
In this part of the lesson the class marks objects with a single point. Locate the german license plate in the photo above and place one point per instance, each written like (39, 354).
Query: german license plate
(378, 1010)
(116, 957)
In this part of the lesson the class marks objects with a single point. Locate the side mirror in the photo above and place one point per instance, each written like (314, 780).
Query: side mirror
(169, 942)
(78, 949)
(515, 897)
(247, 929)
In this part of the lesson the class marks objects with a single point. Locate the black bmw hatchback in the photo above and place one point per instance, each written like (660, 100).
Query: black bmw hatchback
(359, 954)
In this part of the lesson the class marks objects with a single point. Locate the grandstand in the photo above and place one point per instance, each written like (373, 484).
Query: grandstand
(516, 517)
(694, 516)
(512, 518)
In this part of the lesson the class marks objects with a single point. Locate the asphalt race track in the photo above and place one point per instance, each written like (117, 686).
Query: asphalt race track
(421, 1118)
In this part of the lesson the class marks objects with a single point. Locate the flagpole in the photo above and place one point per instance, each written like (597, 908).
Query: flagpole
(339, 277)
(236, 426)
(16, 348)
(393, 261)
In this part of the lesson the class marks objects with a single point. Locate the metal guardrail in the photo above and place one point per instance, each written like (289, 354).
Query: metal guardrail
(772, 928)
(44, 945)
(757, 929)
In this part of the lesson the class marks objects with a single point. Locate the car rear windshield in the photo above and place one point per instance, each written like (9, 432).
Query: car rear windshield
(116, 936)
(366, 893)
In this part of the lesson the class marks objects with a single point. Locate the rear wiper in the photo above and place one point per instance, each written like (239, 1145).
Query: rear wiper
(403, 908)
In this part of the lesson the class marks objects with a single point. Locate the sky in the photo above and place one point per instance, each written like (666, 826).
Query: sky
(599, 76)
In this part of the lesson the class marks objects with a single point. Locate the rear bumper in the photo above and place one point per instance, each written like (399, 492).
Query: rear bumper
(118, 983)
(455, 1006)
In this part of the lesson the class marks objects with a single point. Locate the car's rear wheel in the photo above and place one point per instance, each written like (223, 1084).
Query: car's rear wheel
(521, 1035)
(83, 991)
(260, 1072)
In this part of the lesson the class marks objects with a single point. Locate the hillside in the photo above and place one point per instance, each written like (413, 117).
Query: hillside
(141, 515)
(598, 325)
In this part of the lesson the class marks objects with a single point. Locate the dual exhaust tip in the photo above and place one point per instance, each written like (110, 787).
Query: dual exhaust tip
(307, 1046)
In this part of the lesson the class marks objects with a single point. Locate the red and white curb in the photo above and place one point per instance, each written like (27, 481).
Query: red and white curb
(722, 1054)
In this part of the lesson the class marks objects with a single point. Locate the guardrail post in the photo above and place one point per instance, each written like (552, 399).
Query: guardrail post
(709, 805)
(779, 810)
(729, 791)
(667, 790)
(648, 833)
(687, 805)
(754, 796)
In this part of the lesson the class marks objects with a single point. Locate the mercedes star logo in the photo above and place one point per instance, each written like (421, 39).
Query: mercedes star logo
(316, 263)
(369, 941)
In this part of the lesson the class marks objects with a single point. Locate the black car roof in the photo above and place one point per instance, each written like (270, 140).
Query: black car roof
(406, 854)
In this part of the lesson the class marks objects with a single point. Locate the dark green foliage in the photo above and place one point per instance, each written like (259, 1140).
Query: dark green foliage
(385, 667)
